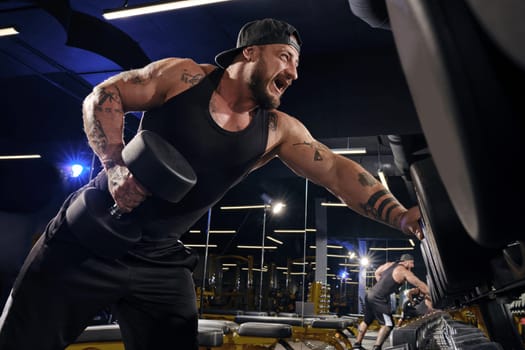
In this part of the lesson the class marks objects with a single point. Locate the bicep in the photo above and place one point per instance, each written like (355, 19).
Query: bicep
(305, 155)
(147, 87)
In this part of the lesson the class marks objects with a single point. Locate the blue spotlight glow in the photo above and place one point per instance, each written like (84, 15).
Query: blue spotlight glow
(76, 170)
(343, 275)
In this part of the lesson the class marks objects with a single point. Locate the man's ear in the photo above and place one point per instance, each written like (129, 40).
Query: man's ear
(249, 53)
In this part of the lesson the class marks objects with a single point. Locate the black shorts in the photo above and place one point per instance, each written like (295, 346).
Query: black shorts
(378, 309)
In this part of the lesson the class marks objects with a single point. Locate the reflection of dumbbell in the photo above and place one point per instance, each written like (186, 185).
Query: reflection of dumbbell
(94, 217)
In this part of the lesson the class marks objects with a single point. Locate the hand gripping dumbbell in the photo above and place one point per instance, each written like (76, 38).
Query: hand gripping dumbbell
(95, 218)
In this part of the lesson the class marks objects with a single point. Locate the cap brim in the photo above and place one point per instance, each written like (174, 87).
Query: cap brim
(225, 58)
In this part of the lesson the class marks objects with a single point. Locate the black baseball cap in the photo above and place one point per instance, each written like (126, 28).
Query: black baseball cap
(261, 32)
(406, 257)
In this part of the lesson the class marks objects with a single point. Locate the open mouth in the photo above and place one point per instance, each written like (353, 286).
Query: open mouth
(280, 84)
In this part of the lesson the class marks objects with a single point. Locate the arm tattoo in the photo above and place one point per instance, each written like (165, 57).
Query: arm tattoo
(383, 205)
(368, 207)
(365, 179)
(108, 96)
(272, 122)
(137, 76)
(97, 137)
(191, 79)
(389, 211)
(317, 148)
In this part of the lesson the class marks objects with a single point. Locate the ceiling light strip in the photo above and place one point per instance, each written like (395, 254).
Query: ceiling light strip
(382, 177)
(241, 207)
(255, 247)
(393, 248)
(331, 204)
(294, 231)
(8, 31)
(353, 150)
(274, 239)
(21, 156)
(155, 7)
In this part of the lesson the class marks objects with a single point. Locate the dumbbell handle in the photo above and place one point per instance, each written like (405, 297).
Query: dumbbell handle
(115, 211)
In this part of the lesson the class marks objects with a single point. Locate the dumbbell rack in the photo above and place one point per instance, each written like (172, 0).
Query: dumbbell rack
(319, 295)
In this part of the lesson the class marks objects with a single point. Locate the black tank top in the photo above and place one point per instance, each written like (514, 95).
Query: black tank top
(220, 158)
(386, 284)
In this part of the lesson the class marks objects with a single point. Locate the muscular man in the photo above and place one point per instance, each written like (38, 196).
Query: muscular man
(225, 121)
(390, 276)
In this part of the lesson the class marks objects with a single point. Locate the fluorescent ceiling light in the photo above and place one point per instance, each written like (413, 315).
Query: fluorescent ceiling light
(240, 207)
(274, 239)
(214, 231)
(21, 156)
(255, 247)
(382, 177)
(201, 245)
(8, 31)
(155, 7)
(393, 248)
(295, 231)
(353, 150)
(329, 204)
(337, 256)
(328, 246)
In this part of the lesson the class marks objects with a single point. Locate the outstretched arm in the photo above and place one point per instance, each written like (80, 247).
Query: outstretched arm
(343, 177)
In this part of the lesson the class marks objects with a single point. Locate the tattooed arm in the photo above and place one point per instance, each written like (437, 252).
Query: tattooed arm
(343, 177)
(135, 90)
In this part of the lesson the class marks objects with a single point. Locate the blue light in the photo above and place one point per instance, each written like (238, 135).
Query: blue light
(76, 170)
(343, 275)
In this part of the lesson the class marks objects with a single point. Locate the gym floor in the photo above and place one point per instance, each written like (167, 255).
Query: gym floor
(367, 343)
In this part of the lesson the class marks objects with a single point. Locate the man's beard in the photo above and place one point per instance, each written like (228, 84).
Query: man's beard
(257, 85)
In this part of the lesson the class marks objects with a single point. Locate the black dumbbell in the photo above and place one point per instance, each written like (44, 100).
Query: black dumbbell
(95, 218)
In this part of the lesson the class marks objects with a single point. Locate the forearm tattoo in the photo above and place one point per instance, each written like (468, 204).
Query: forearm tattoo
(117, 175)
(106, 105)
(366, 179)
(370, 207)
(97, 137)
(191, 79)
(389, 211)
(317, 147)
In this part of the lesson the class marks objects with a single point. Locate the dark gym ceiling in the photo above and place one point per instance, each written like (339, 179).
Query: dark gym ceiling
(350, 92)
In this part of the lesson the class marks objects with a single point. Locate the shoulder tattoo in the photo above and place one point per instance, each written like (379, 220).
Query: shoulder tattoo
(137, 76)
(191, 79)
